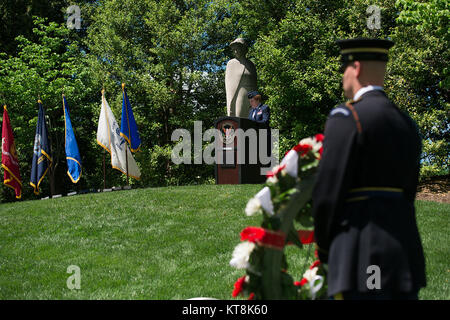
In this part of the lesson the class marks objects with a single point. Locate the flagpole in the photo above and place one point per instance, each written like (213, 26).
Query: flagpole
(126, 147)
(51, 172)
(104, 170)
(104, 152)
(51, 166)
(126, 160)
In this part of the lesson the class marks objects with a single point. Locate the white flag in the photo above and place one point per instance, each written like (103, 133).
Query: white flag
(108, 136)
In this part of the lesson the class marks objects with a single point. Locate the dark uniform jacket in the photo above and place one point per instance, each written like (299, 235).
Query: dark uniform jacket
(260, 114)
(364, 197)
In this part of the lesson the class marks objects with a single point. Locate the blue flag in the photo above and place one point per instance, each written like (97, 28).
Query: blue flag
(42, 159)
(128, 127)
(72, 154)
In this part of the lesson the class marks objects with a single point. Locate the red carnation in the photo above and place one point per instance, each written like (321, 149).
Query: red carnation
(306, 236)
(238, 286)
(315, 264)
(270, 174)
(263, 237)
(251, 296)
(302, 149)
(252, 234)
(300, 283)
(319, 137)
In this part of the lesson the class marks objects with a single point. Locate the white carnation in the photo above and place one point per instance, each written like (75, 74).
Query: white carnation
(266, 202)
(317, 145)
(241, 255)
(253, 207)
(272, 179)
(309, 141)
(310, 274)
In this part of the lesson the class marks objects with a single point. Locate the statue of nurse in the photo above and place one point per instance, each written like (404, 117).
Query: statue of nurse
(240, 78)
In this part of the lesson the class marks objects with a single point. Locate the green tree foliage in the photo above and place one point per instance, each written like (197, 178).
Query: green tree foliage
(297, 63)
(16, 18)
(419, 76)
(297, 66)
(45, 69)
(171, 56)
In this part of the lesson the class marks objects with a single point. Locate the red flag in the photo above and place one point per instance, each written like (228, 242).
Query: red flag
(10, 162)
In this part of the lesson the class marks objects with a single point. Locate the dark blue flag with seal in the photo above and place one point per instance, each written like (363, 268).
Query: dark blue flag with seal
(128, 127)
(72, 153)
(42, 159)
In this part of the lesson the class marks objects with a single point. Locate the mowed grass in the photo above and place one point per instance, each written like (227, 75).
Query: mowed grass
(157, 243)
(433, 220)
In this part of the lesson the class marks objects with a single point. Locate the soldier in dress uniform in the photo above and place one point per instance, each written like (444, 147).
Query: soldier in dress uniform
(364, 215)
(258, 112)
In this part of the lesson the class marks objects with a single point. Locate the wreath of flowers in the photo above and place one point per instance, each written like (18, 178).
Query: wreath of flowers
(285, 199)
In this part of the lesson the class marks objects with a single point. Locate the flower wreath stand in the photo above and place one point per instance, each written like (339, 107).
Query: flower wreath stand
(285, 199)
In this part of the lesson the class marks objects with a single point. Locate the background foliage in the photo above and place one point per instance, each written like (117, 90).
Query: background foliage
(172, 57)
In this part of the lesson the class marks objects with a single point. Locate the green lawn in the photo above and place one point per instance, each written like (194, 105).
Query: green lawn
(159, 243)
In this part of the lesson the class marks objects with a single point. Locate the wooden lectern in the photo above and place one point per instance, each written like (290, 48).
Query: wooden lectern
(238, 150)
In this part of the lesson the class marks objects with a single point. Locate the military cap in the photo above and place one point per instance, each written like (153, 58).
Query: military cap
(363, 49)
(252, 94)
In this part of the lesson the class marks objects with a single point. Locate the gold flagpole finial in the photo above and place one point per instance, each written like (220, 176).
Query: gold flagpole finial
(123, 86)
(103, 91)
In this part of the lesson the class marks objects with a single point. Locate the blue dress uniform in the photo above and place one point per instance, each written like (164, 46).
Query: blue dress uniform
(363, 200)
(260, 114)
